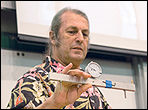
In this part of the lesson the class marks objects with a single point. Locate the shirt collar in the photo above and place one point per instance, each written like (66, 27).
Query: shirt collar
(56, 66)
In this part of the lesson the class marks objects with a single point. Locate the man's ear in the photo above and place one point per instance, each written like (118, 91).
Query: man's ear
(52, 37)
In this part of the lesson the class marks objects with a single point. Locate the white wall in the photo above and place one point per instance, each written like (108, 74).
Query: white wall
(8, 4)
(12, 67)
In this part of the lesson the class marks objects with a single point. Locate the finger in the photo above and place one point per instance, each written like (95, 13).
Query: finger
(75, 72)
(86, 75)
(67, 68)
(79, 73)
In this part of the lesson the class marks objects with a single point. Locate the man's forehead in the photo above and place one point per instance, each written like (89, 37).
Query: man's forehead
(72, 19)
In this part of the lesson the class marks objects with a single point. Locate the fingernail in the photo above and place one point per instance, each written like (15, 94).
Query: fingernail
(70, 63)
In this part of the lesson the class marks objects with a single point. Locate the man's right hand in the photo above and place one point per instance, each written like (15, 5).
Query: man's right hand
(69, 93)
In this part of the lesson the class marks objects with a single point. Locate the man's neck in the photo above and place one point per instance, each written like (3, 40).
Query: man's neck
(76, 65)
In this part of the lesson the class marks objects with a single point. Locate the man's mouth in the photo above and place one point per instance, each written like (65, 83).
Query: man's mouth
(78, 48)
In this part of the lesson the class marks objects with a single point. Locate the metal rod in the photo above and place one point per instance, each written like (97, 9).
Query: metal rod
(96, 82)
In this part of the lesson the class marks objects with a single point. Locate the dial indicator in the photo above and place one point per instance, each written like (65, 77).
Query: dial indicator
(94, 69)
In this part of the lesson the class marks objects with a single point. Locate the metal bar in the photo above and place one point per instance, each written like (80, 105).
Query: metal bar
(96, 82)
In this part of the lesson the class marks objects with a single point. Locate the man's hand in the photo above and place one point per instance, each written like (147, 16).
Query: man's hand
(71, 92)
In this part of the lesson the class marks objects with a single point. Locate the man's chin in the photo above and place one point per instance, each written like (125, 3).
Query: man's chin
(78, 57)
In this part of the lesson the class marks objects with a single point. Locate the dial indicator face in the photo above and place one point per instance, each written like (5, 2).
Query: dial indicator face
(94, 69)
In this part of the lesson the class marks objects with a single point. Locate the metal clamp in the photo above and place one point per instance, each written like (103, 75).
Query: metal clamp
(109, 84)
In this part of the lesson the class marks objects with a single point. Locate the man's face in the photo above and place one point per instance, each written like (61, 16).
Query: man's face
(74, 38)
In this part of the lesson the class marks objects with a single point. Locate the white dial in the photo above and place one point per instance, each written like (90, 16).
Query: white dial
(94, 69)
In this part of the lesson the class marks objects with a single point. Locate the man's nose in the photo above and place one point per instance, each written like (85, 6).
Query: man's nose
(79, 37)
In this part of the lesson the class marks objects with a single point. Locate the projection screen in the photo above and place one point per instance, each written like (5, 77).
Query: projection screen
(113, 24)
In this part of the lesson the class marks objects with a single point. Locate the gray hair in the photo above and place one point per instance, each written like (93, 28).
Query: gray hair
(56, 24)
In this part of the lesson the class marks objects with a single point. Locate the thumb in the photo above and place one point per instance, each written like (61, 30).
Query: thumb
(67, 68)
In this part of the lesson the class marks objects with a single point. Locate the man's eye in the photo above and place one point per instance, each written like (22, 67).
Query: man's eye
(85, 35)
(72, 32)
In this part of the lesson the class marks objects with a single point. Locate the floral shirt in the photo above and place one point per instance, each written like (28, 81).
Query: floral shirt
(33, 88)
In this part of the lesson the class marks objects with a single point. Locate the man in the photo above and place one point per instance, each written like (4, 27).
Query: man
(69, 38)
